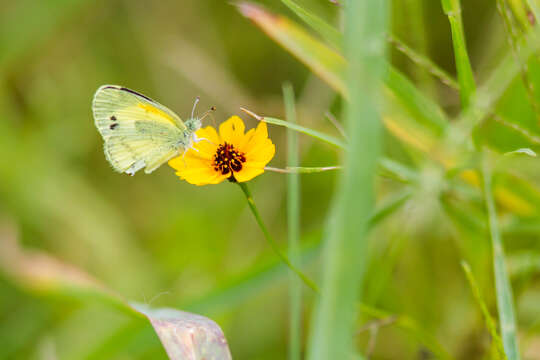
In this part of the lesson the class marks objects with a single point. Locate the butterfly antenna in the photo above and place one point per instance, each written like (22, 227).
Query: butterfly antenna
(208, 112)
(197, 99)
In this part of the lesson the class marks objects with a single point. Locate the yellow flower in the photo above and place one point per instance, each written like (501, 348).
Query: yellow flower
(232, 155)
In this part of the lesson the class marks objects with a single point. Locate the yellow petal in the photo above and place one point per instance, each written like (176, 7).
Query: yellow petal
(208, 142)
(245, 140)
(262, 153)
(247, 173)
(232, 130)
(259, 135)
(201, 176)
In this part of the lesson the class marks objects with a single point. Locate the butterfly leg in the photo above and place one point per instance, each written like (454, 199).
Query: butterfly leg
(197, 139)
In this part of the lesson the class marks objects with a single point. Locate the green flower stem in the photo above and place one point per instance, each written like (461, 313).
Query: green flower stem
(271, 240)
(403, 322)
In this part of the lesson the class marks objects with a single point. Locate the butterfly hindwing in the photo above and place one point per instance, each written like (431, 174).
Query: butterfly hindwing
(138, 132)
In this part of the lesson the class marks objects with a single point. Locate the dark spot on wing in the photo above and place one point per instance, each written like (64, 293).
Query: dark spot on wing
(113, 118)
(112, 126)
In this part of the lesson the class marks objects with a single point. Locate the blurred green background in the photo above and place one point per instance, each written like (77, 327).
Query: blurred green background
(160, 241)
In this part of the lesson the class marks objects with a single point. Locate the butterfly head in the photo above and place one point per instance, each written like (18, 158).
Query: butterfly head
(193, 124)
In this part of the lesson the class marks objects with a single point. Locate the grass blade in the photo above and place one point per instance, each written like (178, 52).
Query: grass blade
(293, 226)
(293, 126)
(494, 87)
(365, 39)
(490, 324)
(424, 62)
(327, 31)
(180, 332)
(321, 59)
(302, 170)
(467, 86)
(313, 133)
(330, 66)
(503, 288)
(534, 5)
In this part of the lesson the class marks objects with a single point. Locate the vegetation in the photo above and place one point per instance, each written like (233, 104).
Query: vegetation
(398, 219)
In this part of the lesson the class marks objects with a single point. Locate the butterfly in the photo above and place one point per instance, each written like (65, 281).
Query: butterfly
(139, 132)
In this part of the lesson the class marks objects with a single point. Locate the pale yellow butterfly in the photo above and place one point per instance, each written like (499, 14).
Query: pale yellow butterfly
(139, 132)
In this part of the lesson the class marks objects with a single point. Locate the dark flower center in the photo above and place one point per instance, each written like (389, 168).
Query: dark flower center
(227, 159)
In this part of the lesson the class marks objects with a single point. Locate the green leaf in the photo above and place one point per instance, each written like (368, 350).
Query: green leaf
(313, 133)
(327, 32)
(534, 5)
(181, 333)
(467, 86)
(346, 242)
(493, 88)
(490, 324)
(185, 335)
(503, 287)
(322, 60)
(399, 92)
(293, 227)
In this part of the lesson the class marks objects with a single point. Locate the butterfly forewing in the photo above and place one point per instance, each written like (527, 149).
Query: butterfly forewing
(138, 132)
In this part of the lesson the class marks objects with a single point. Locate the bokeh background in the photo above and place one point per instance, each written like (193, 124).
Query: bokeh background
(160, 241)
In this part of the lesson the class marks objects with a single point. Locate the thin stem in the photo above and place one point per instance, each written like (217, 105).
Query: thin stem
(490, 323)
(503, 288)
(402, 321)
(336, 123)
(271, 240)
(302, 170)
(293, 227)
(467, 86)
(424, 62)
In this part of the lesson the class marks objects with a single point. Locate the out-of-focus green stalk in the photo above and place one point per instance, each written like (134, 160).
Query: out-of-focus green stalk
(302, 170)
(365, 42)
(327, 31)
(490, 324)
(503, 288)
(520, 13)
(467, 86)
(293, 227)
(417, 35)
(271, 240)
(293, 126)
(424, 62)
(534, 5)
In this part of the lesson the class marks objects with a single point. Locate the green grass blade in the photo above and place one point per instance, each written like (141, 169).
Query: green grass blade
(389, 206)
(490, 323)
(293, 126)
(467, 86)
(411, 326)
(424, 62)
(495, 86)
(327, 31)
(313, 133)
(302, 170)
(365, 40)
(330, 65)
(503, 288)
(534, 5)
(293, 227)
(398, 171)
(39, 273)
(417, 35)
(321, 59)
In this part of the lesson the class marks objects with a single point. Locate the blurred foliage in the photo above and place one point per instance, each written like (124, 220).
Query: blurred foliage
(155, 240)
